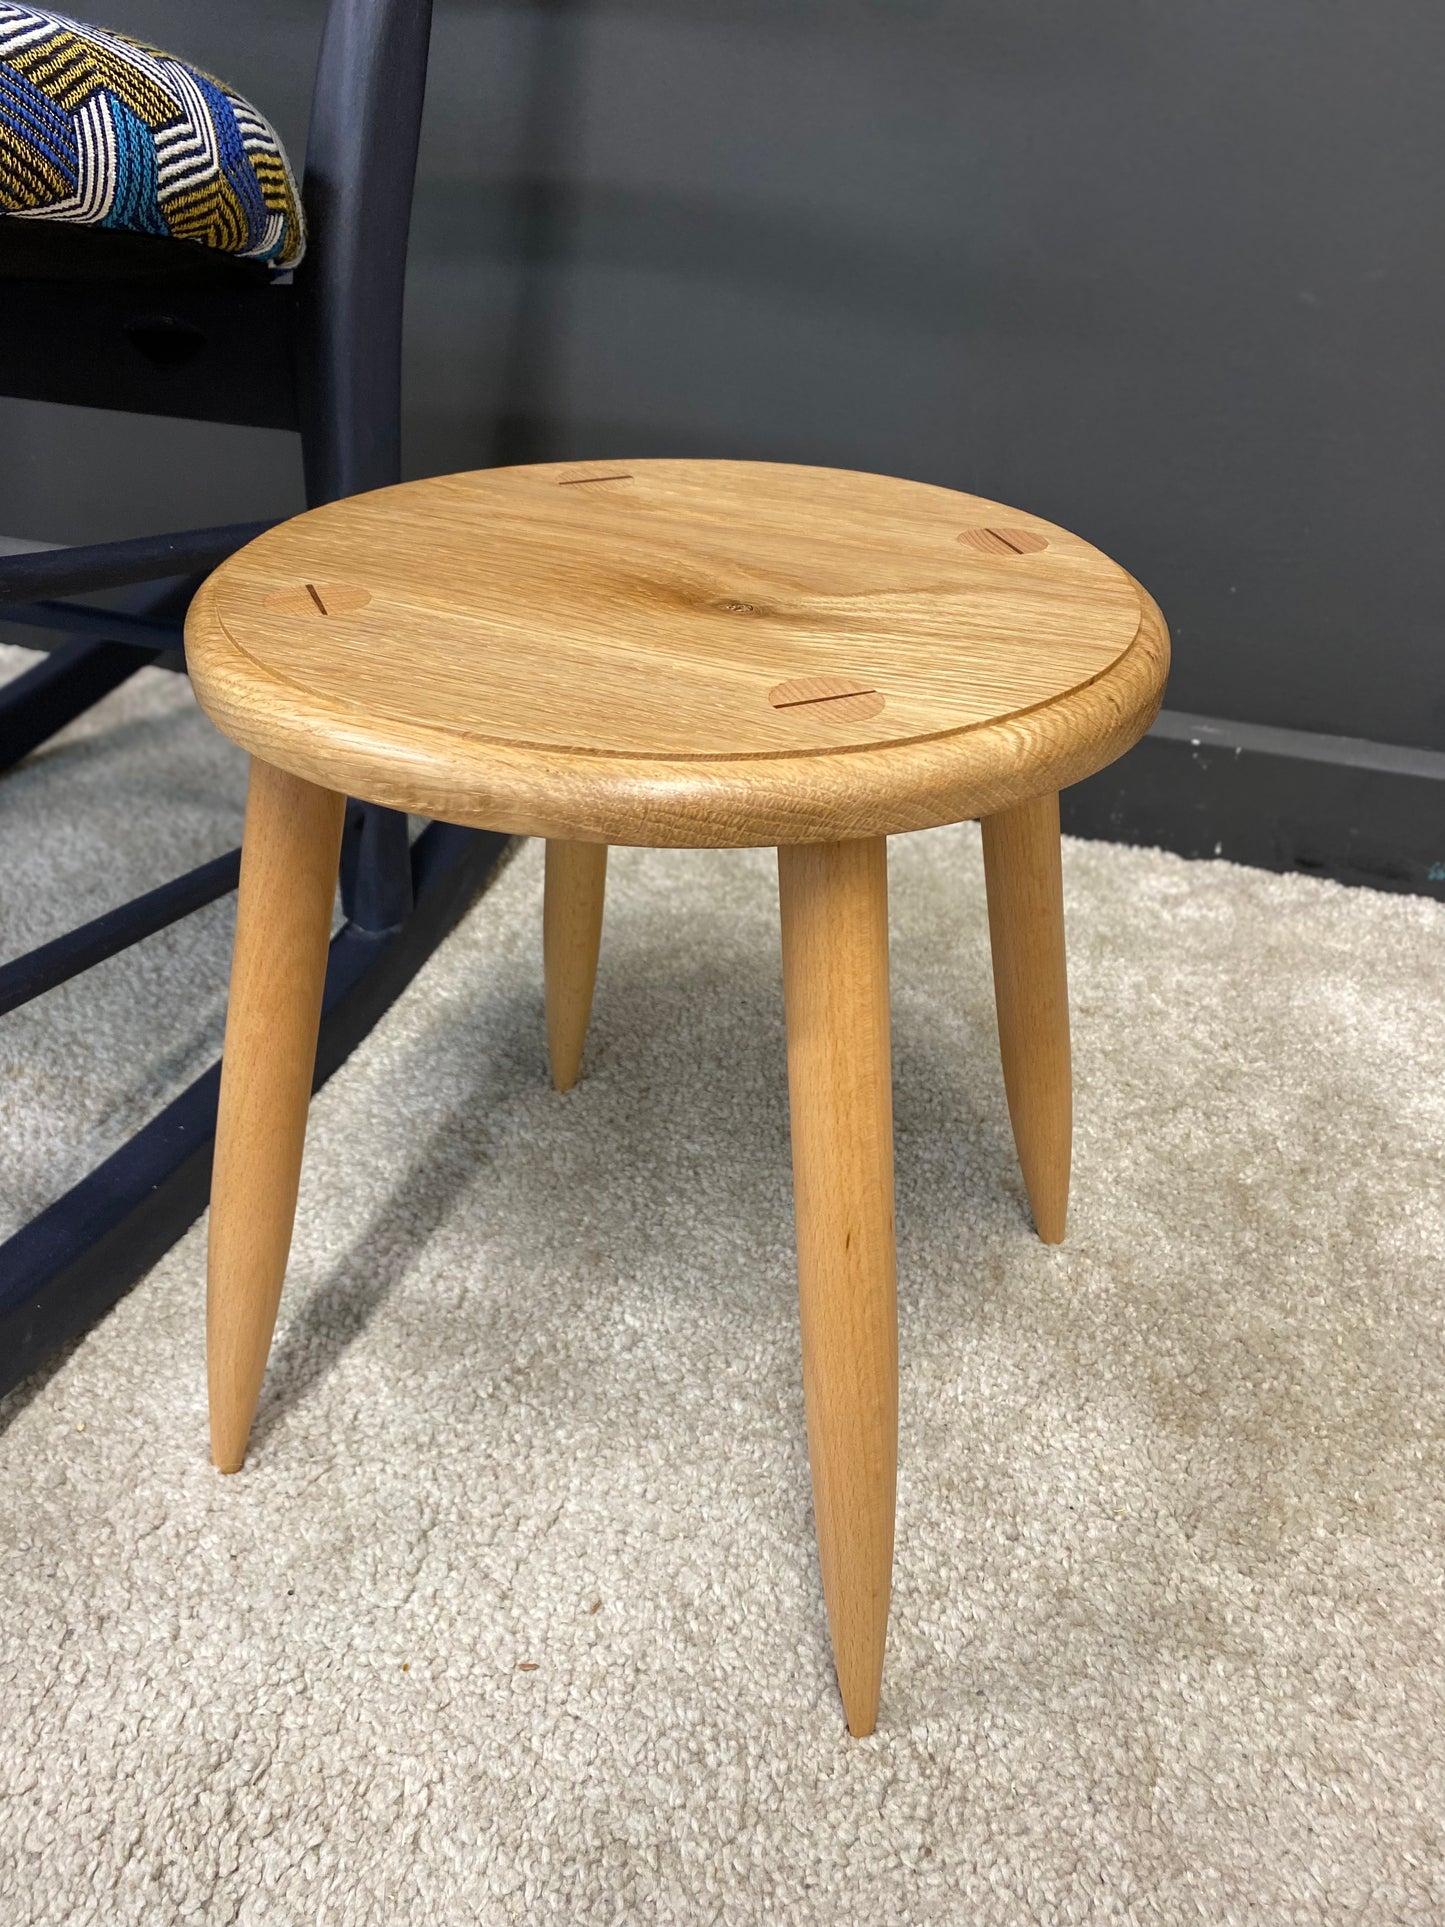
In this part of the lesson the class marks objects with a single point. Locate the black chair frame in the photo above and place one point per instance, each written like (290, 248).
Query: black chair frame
(111, 320)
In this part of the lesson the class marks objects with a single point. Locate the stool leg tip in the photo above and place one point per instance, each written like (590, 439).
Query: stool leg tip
(862, 1725)
(1050, 1226)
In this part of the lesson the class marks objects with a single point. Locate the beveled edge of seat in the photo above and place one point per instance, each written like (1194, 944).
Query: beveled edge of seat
(734, 804)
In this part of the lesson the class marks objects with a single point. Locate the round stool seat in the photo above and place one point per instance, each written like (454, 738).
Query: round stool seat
(678, 652)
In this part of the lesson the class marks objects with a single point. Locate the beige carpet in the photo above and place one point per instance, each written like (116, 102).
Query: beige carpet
(513, 1615)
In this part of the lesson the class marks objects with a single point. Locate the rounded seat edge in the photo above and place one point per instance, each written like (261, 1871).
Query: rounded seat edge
(732, 804)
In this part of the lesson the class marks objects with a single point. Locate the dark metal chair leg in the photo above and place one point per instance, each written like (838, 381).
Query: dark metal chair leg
(60, 688)
(376, 893)
(342, 389)
(69, 1265)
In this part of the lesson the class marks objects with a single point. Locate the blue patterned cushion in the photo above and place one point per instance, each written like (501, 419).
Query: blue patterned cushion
(103, 130)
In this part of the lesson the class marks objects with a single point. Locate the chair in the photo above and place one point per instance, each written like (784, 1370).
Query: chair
(105, 318)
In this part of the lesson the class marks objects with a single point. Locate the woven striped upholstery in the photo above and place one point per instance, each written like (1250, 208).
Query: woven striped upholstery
(108, 132)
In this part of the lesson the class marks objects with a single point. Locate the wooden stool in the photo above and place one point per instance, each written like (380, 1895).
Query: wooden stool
(699, 654)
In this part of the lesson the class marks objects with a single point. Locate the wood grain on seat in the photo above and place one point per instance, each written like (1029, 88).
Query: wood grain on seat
(608, 652)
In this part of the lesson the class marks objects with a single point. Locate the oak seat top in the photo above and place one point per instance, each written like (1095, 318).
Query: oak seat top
(678, 651)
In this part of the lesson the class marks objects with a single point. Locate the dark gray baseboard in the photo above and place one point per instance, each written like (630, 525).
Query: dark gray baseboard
(1281, 799)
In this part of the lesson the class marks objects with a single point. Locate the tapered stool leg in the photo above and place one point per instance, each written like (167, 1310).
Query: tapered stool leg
(288, 882)
(1025, 885)
(576, 882)
(834, 900)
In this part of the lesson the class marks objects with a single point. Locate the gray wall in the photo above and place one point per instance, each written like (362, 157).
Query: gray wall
(1169, 271)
